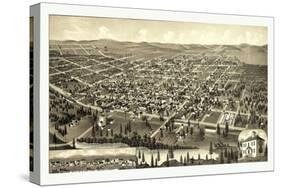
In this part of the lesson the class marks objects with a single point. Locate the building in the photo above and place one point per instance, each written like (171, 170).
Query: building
(101, 121)
(253, 146)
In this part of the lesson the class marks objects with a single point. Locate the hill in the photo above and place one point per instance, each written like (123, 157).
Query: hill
(247, 53)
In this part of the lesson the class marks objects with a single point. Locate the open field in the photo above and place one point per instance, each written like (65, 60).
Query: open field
(213, 117)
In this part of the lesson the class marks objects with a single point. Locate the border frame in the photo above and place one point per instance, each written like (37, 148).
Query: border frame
(41, 13)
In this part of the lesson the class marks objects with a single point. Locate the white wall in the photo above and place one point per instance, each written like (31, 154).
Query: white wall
(14, 90)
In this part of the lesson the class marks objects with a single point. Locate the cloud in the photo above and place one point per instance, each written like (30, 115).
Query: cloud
(104, 33)
(240, 39)
(182, 38)
(85, 28)
(226, 35)
(142, 35)
(169, 36)
(75, 33)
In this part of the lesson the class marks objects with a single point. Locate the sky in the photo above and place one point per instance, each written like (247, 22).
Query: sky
(94, 28)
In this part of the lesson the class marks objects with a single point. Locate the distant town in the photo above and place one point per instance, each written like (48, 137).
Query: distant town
(124, 105)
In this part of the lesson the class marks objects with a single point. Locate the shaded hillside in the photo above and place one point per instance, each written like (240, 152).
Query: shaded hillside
(246, 53)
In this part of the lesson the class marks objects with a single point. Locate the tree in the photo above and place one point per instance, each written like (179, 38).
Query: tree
(101, 133)
(183, 133)
(158, 155)
(226, 128)
(55, 138)
(111, 130)
(199, 156)
(228, 158)
(181, 160)
(221, 157)
(225, 152)
(223, 133)
(191, 130)
(65, 130)
(93, 131)
(231, 154)
(139, 154)
(170, 128)
(121, 129)
(152, 161)
(126, 130)
(171, 153)
(187, 130)
(172, 124)
(187, 157)
(146, 122)
(218, 129)
(73, 143)
(192, 160)
(142, 157)
(167, 160)
(106, 134)
(129, 126)
(202, 132)
(137, 163)
(260, 148)
(207, 157)
(153, 141)
(211, 149)
(156, 162)
(184, 161)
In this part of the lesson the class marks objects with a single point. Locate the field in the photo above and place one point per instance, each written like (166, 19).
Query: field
(213, 117)
(120, 122)
(210, 136)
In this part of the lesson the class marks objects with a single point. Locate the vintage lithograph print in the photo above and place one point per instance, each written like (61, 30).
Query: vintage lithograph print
(126, 94)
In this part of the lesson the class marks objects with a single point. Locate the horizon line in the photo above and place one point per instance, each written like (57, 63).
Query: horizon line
(152, 42)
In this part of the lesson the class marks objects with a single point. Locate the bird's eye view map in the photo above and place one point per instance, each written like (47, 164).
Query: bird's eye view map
(127, 94)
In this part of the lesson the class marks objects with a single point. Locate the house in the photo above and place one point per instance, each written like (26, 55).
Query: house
(73, 123)
(253, 146)
(101, 121)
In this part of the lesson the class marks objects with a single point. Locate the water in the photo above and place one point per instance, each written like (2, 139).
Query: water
(83, 153)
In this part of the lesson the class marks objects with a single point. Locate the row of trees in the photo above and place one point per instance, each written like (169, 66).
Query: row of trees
(227, 155)
(224, 132)
(135, 140)
(100, 132)
(200, 130)
(170, 160)
(188, 130)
